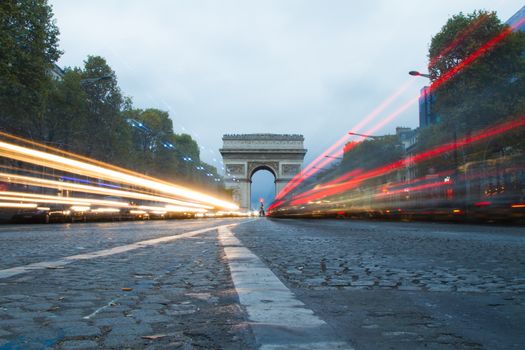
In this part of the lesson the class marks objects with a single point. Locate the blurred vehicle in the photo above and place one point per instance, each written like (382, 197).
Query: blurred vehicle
(104, 214)
(6, 214)
(486, 190)
(47, 215)
(134, 214)
(31, 216)
(157, 215)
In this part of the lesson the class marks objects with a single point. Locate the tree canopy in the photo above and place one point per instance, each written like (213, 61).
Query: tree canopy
(29, 47)
(84, 111)
(489, 89)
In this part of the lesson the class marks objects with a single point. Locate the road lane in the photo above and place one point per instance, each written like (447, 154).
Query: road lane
(177, 294)
(277, 319)
(27, 244)
(375, 285)
(394, 285)
(60, 263)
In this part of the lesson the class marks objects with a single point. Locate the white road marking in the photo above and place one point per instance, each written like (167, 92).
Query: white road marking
(278, 319)
(100, 309)
(6, 273)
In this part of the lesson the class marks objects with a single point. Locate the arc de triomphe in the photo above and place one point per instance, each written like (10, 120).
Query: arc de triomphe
(245, 154)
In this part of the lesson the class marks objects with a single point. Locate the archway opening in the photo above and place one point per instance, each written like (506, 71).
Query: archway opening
(262, 188)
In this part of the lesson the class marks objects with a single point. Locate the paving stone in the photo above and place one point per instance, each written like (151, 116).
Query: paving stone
(156, 319)
(38, 306)
(78, 345)
(181, 309)
(78, 304)
(121, 341)
(403, 265)
(16, 296)
(439, 288)
(409, 288)
(469, 289)
(134, 330)
(362, 283)
(113, 321)
(80, 330)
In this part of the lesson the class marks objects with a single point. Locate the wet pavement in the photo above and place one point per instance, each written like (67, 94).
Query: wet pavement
(270, 284)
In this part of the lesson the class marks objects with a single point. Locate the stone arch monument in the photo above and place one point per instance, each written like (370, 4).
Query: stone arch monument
(245, 154)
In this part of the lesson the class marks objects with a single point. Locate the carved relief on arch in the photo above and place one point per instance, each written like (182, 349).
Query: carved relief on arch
(235, 169)
(291, 169)
(236, 194)
(272, 166)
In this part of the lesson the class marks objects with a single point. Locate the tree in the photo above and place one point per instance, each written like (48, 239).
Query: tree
(489, 89)
(80, 113)
(107, 133)
(370, 154)
(65, 118)
(153, 141)
(158, 151)
(29, 47)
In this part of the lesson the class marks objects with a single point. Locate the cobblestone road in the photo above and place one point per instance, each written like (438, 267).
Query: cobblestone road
(373, 285)
(176, 295)
(398, 285)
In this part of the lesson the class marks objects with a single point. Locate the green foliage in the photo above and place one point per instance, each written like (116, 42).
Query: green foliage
(85, 111)
(486, 92)
(370, 154)
(29, 46)
(107, 132)
(491, 88)
(66, 116)
(362, 156)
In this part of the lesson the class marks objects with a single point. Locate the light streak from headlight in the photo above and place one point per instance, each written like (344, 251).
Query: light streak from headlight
(18, 205)
(86, 169)
(159, 212)
(105, 210)
(173, 209)
(32, 181)
(41, 198)
(182, 209)
(80, 208)
(32, 200)
(138, 212)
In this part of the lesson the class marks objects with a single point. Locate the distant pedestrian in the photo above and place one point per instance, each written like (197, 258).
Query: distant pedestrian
(261, 210)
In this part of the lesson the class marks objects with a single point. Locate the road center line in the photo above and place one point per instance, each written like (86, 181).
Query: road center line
(53, 264)
(278, 319)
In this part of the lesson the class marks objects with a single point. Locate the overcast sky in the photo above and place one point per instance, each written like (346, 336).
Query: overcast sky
(309, 67)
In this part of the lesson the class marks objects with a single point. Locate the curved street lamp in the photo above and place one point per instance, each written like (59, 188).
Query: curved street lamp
(364, 135)
(418, 74)
(95, 80)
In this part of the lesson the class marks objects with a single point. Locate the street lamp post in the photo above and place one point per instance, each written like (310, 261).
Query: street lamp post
(88, 81)
(455, 155)
(364, 135)
(418, 74)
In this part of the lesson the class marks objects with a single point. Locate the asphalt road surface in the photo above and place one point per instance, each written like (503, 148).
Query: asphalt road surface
(269, 284)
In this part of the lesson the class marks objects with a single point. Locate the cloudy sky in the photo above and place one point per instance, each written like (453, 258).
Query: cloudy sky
(288, 66)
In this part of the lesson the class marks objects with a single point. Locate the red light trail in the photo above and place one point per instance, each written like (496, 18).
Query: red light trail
(336, 149)
(334, 189)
